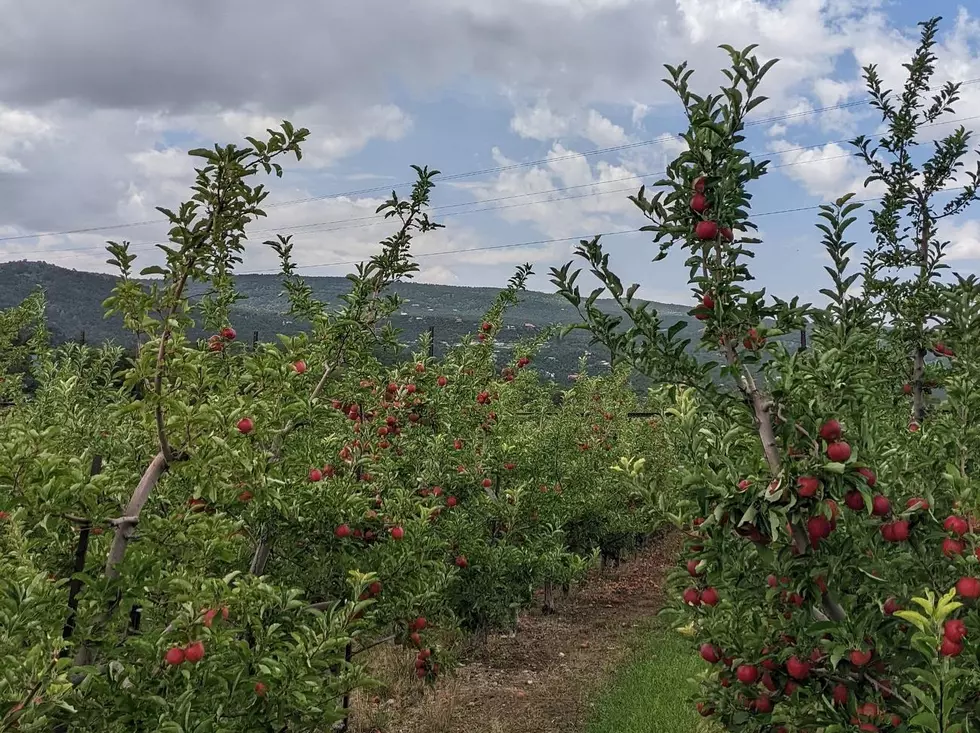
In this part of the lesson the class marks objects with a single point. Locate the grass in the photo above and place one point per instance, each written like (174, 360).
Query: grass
(651, 694)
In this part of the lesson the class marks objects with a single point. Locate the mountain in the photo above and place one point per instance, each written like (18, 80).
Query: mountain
(74, 308)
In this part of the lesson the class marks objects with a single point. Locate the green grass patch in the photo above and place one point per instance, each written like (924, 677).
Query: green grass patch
(651, 694)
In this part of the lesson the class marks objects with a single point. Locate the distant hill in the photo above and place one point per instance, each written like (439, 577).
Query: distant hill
(75, 309)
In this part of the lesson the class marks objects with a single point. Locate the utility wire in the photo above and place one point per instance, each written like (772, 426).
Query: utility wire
(556, 240)
(468, 174)
(376, 220)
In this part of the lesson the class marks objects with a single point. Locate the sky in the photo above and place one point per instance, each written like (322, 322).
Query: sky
(543, 116)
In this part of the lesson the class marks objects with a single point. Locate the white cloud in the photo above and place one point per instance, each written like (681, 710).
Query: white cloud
(828, 171)
(540, 122)
(964, 238)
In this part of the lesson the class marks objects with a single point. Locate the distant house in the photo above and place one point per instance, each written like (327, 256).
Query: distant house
(530, 325)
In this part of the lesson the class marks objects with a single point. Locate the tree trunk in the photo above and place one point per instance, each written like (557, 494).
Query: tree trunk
(548, 607)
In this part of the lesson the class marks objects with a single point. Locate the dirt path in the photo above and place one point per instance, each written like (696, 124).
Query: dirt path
(541, 679)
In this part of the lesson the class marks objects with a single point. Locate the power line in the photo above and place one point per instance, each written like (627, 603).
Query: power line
(469, 174)
(553, 241)
(376, 220)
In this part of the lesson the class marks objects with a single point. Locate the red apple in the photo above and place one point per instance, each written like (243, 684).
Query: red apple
(859, 657)
(807, 486)
(710, 653)
(194, 653)
(245, 425)
(950, 648)
(706, 230)
(747, 674)
(839, 452)
(880, 506)
(175, 656)
(968, 587)
(956, 525)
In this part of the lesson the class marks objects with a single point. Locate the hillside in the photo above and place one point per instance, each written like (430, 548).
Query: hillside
(75, 311)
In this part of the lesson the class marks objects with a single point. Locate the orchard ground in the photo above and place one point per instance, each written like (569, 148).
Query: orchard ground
(557, 673)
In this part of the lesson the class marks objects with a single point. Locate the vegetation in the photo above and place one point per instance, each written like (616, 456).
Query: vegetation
(652, 692)
(205, 536)
(830, 579)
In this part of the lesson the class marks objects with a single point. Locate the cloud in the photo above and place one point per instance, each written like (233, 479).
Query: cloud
(964, 238)
(540, 122)
(102, 98)
(827, 171)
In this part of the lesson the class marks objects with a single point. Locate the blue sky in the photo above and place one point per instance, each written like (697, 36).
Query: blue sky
(94, 140)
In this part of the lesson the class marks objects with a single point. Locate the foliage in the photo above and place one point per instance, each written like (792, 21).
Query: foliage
(816, 510)
(205, 537)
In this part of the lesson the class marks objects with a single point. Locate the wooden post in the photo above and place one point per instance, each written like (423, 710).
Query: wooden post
(803, 339)
(432, 341)
(81, 550)
(255, 339)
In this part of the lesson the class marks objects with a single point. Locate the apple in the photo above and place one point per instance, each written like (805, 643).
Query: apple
(397, 533)
(907, 388)
(419, 623)
(315, 475)
(950, 648)
(807, 486)
(859, 658)
(260, 689)
(194, 653)
(797, 668)
(175, 656)
(897, 531)
(709, 597)
(487, 326)
(706, 230)
(343, 531)
(727, 234)
(700, 183)
(916, 503)
(854, 499)
(228, 333)
(442, 381)
(891, 606)
(880, 506)
(451, 501)
(245, 425)
(953, 547)
(699, 203)
(968, 587)
(869, 476)
(692, 597)
(839, 451)
(818, 527)
(299, 367)
(747, 674)
(831, 431)
(710, 653)
(461, 562)
(956, 525)
(955, 630)
(840, 694)
(487, 483)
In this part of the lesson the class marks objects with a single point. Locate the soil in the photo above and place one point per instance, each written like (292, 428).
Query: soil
(544, 677)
